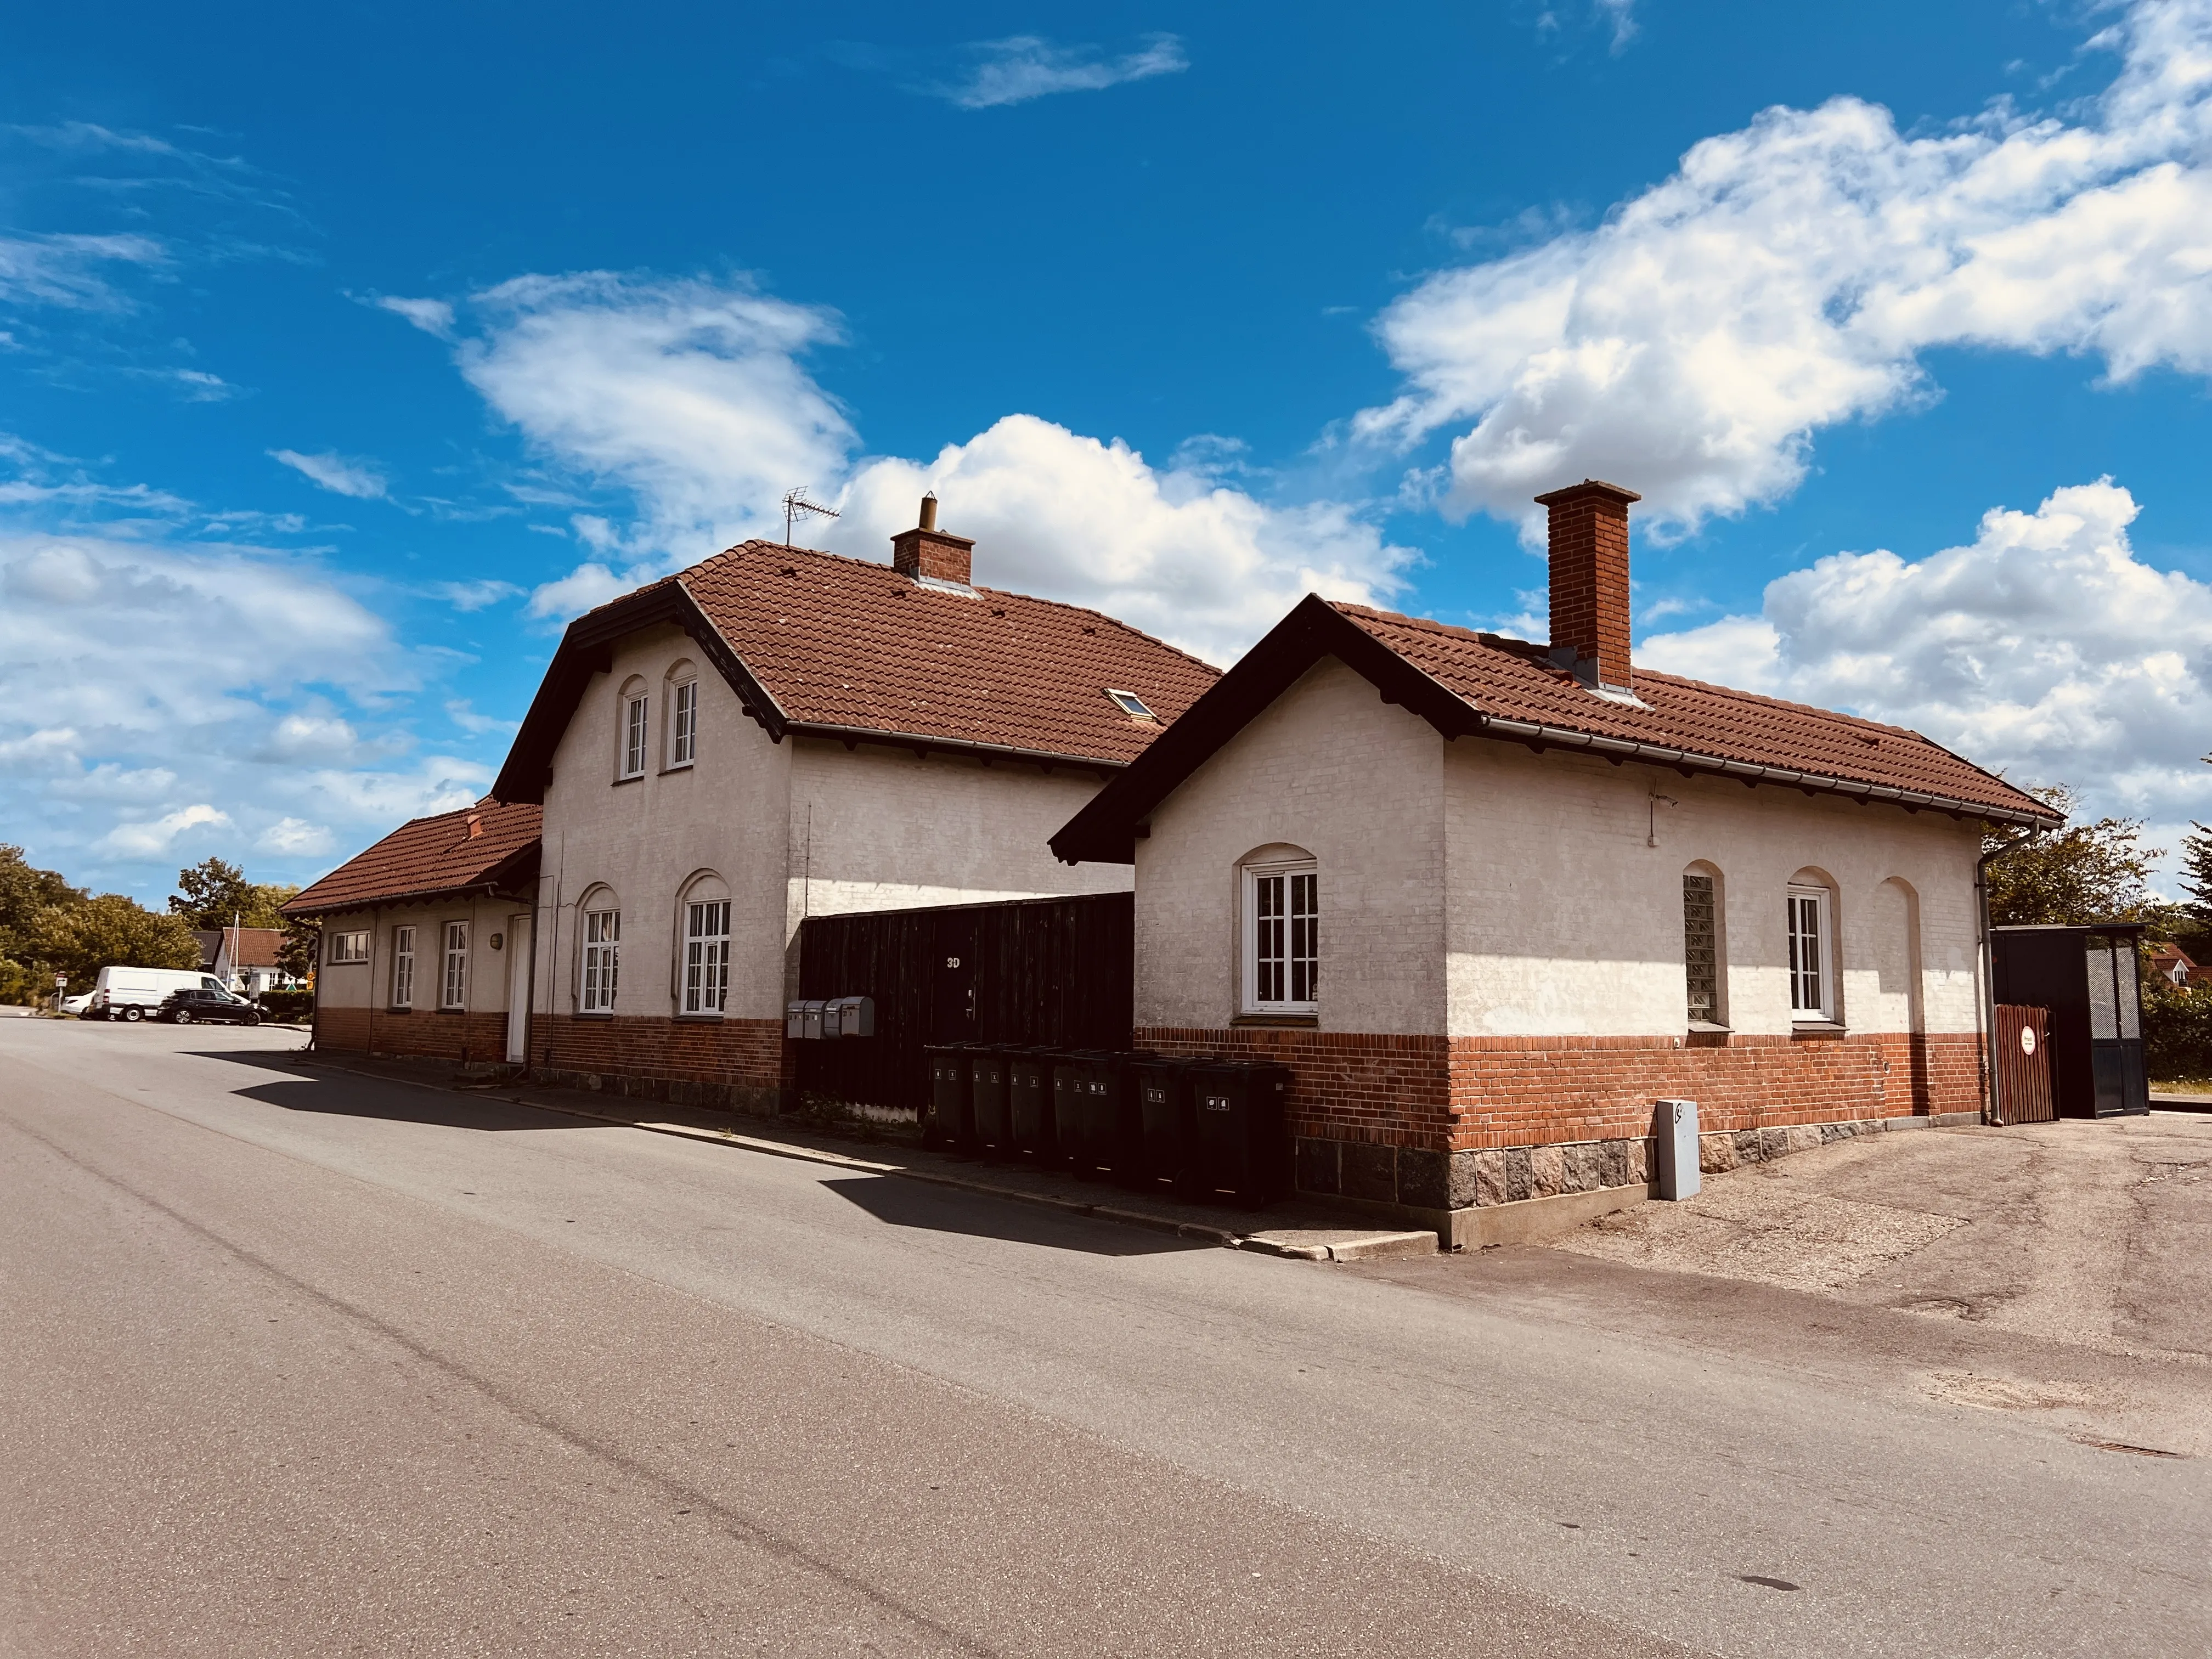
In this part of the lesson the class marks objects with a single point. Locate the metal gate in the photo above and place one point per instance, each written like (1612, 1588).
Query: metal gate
(2023, 1066)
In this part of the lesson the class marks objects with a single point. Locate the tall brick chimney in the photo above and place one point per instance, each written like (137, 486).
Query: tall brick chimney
(928, 552)
(1589, 577)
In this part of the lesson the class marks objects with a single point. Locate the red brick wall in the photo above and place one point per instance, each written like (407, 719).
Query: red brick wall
(425, 1035)
(1473, 1093)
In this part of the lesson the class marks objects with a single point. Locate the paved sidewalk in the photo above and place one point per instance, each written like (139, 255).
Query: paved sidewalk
(1299, 1228)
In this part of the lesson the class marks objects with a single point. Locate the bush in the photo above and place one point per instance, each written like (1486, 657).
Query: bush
(288, 1004)
(2177, 1029)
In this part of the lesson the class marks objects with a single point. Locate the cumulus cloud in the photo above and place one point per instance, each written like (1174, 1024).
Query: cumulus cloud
(2045, 649)
(1172, 550)
(336, 473)
(296, 838)
(695, 399)
(1026, 66)
(1789, 276)
(156, 838)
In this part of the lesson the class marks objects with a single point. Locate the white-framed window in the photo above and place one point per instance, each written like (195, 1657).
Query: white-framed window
(348, 947)
(706, 956)
(602, 959)
(453, 987)
(403, 967)
(634, 708)
(1282, 938)
(682, 723)
(1812, 954)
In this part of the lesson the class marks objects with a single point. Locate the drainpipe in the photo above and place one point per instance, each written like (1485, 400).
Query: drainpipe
(1985, 1005)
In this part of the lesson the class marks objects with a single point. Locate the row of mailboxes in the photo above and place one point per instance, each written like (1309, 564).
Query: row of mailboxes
(830, 1017)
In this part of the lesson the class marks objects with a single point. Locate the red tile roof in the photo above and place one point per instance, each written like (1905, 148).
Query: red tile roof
(851, 644)
(816, 642)
(1510, 680)
(493, 844)
(1469, 684)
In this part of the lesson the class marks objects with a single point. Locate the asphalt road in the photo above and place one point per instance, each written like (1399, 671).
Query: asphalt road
(296, 1362)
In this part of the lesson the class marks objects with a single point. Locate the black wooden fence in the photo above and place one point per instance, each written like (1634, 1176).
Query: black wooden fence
(1056, 971)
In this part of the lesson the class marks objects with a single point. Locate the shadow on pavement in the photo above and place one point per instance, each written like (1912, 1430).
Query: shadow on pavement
(350, 1096)
(902, 1203)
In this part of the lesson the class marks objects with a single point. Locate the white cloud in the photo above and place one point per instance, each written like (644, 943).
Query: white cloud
(475, 595)
(336, 473)
(1789, 276)
(1026, 66)
(155, 838)
(463, 714)
(2046, 650)
(1172, 551)
(431, 316)
(296, 838)
(66, 270)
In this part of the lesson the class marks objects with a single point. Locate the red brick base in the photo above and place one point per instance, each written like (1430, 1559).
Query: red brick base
(1404, 1119)
(737, 1064)
(460, 1037)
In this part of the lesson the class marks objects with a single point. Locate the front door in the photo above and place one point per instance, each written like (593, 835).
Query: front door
(518, 990)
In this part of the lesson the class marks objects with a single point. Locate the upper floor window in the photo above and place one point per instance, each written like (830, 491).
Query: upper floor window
(633, 730)
(602, 959)
(1812, 954)
(684, 723)
(1282, 937)
(454, 988)
(706, 956)
(403, 967)
(348, 947)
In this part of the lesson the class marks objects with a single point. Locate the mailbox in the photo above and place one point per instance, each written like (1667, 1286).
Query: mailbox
(850, 1017)
(802, 1021)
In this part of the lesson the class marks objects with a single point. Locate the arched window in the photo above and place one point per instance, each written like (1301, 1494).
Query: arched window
(703, 932)
(1815, 986)
(1704, 959)
(599, 936)
(683, 706)
(632, 727)
(1281, 931)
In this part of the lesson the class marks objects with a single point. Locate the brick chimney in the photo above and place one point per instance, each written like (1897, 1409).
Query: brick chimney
(928, 552)
(1590, 579)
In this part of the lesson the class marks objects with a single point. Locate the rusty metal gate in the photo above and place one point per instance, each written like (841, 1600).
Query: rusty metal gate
(2023, 1066)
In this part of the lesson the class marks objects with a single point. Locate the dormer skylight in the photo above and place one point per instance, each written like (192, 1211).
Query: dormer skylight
(1131, 704)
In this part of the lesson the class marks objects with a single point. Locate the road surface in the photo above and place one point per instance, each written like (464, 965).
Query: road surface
(300, 1362)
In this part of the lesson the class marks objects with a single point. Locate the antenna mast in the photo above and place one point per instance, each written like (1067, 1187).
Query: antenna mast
(795, 502)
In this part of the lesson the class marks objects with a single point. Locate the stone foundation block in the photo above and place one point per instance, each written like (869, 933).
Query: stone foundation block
(1716, 1153)
(1369, 1171)
(1547, 1171)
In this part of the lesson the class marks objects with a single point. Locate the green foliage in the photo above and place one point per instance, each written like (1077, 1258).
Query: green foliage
(20, 987)
(110, 930)
(216, 893)
(2085, 872)
(288, 1004)
(2177, 1027)
(2197, 873)
(302, 947)
(26, 892)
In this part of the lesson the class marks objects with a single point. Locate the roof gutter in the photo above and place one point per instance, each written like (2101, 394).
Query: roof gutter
(483, 889)
(1747, 772)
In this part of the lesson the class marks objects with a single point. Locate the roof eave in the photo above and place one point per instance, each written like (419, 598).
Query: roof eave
(507, 877)
(932, 744)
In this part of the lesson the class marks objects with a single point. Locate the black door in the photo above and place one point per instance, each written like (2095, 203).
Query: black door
(952, 980)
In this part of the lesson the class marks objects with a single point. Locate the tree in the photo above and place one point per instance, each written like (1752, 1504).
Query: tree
(217, 893)
(2085, 872)
(111, 931)
(26, 892)
(2197, 873)
(302, 947)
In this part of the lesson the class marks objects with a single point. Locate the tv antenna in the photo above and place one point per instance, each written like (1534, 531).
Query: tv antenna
(795, 502)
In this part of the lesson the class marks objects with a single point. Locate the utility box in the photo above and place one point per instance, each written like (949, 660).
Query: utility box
(1677, 1127)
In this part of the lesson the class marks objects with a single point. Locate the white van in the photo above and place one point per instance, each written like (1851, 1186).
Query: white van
(134, 993)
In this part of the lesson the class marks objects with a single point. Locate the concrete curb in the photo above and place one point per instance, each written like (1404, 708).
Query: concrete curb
(1359, 1247)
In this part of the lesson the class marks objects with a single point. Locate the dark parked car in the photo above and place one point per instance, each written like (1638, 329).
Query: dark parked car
(183, 1007)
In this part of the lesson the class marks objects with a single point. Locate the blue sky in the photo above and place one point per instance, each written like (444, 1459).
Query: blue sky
(347, 353)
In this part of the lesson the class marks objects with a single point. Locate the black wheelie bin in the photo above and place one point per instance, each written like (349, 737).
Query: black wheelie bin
(1241, 1133)
(989, 1108)
(950, 1121)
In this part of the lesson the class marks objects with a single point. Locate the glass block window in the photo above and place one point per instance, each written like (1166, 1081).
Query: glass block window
(1701, 949)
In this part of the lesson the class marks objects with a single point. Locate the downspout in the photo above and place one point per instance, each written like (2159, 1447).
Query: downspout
(1985, 1005)
(530, 980)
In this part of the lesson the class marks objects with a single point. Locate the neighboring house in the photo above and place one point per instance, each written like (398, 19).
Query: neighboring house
(246, 959)
(771, 734)
(425, 945)
(2174, 962)
(1491, 900)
